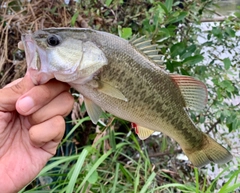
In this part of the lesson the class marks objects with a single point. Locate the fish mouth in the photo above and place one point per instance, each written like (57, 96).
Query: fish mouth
(39, 78)
(33, 54)
(30, 50)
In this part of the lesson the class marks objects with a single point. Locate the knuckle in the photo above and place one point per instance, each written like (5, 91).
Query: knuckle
(58, 121)
(17, 88)
(45, 92)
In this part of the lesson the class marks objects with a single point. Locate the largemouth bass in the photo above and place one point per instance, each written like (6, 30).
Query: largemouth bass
(123, 78)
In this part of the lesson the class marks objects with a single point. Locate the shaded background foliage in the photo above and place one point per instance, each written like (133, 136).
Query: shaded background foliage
(187, 47)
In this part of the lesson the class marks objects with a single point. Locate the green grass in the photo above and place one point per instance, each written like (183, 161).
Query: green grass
(124, 168)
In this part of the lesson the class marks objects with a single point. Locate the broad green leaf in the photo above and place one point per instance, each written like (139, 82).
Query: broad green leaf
(126, 33)
(108, 2)
(168, 4)
(177, 49)
(193, 59)
(189, 51)
(164, 34)
(237, 14)
(236, 124)
(230, 32)
(227, 63)
(163, 7)
(93, 178)
(227, 85)
(177, 17)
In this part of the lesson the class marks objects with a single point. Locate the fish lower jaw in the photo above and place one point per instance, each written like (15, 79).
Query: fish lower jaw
(39, 78)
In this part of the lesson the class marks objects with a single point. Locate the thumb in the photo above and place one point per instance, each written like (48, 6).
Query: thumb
(10, 93)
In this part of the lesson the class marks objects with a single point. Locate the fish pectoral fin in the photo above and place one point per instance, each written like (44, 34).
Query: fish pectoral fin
(93, 110)
(142, 132)
(210, 152)
(193, 91)
(111, 91)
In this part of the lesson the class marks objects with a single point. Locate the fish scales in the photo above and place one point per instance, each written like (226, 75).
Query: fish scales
(149, 91)
(113, 74)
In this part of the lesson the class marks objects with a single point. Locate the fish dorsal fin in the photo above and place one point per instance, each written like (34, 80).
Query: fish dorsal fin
(144, 46)
(142, 132)
(109, 90)
(93, 110)
(193, 91)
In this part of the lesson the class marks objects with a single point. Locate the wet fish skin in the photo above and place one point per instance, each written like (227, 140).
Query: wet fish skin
(151, 98)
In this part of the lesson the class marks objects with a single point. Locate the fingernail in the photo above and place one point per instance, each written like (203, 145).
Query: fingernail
(25, 104)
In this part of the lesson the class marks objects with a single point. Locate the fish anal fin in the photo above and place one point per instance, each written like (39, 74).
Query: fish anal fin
(210, 152)
(142, 132)
(93, 110)
(193, 91)
(110, 90)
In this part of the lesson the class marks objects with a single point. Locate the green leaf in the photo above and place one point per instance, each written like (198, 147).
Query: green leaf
(193, 59)
(163, 34)
(126, 33)
(236, 124)
(227, 63)
(202, 119)
(226, 84)
(237, 14)
(93, 178)
(189, 51)
(77, 169)
(163, 7)
(176, 17)
(74, 18)
(108, 2)
(168, 4)
(148, 183)
(230, 32)
(112, 139)
(178, 49)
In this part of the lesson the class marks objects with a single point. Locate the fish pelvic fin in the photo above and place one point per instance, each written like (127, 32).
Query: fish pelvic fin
(93, 110)
(210, 152)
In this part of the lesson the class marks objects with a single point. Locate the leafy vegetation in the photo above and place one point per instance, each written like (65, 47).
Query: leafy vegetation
(108, 157)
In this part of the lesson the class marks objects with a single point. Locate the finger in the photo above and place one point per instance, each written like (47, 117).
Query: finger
(39, 96)
(10, 93)
(47, 135)
(13, 83)
(61, 105)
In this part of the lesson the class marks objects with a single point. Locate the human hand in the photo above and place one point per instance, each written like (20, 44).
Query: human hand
(31, 127)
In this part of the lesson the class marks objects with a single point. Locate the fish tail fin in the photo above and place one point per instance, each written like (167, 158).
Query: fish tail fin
(210, 152)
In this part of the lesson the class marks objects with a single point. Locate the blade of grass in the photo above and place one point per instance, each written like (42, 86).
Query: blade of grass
(136, 181)
(196, 179)
(148, 182)
(115, 178)
(57, 161)
(73, 129)
(77, 169)
(227, 187)
(98, 162)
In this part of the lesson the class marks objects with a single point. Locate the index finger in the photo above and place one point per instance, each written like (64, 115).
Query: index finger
(39, 96)
(10, 93)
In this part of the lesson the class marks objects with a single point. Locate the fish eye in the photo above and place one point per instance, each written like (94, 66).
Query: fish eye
(53, 40)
